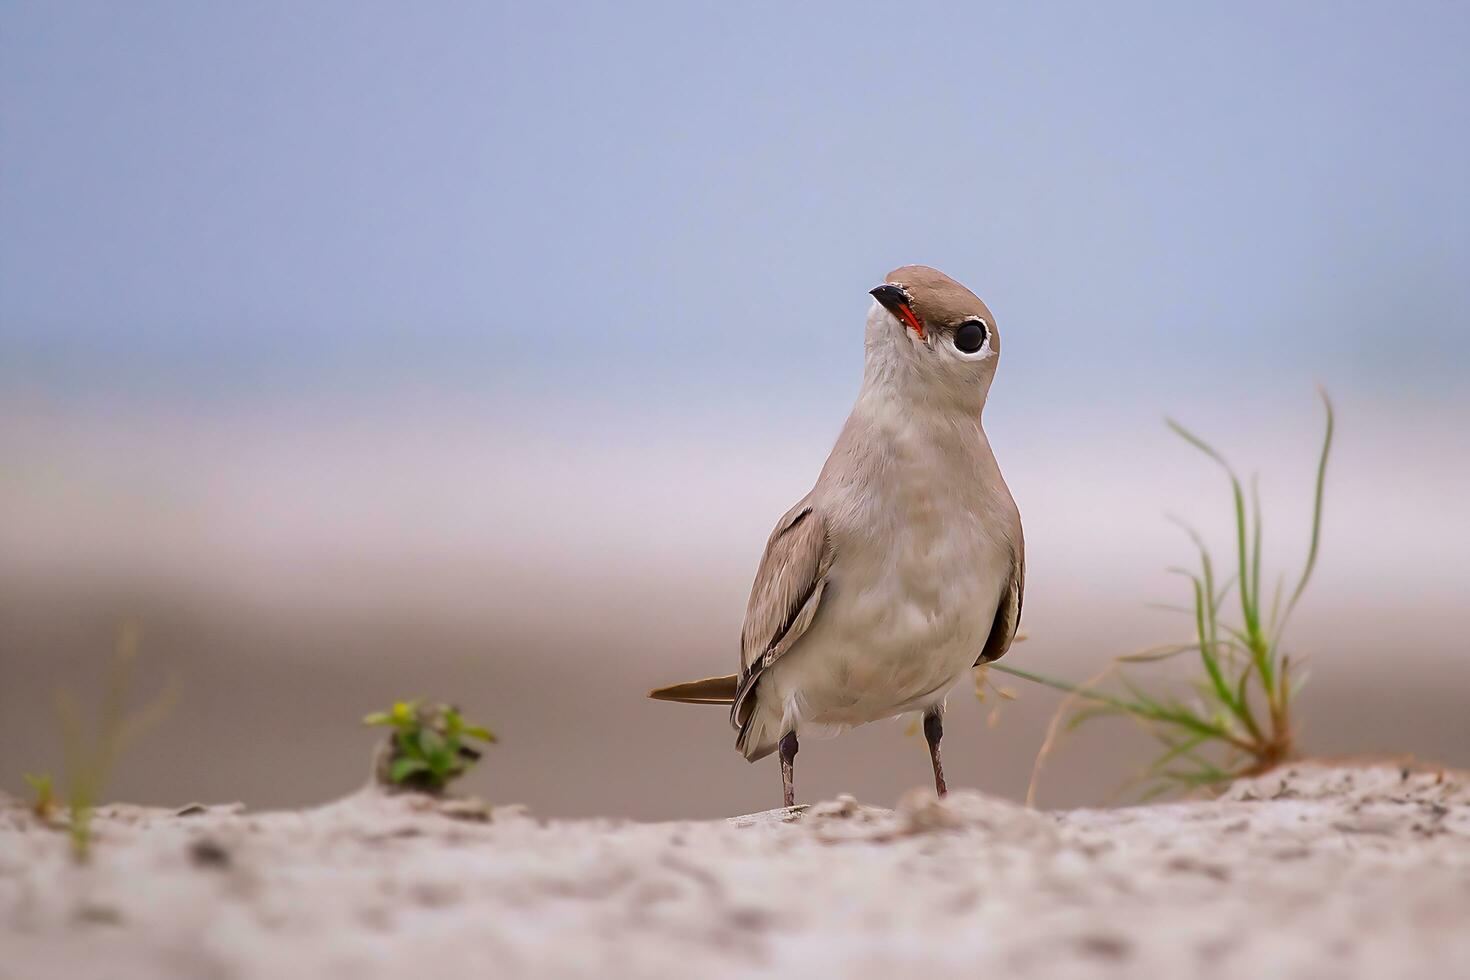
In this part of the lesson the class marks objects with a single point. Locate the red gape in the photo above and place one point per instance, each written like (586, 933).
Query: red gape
(909, 318)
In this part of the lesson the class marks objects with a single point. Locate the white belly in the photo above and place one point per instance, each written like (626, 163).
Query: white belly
(902, 621)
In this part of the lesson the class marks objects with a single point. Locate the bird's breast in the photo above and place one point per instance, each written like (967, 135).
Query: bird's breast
(911, 594)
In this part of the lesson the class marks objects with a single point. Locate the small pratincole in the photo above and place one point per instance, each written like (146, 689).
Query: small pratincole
(904, 567)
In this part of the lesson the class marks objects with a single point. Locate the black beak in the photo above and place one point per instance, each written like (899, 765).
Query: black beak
(892, 297)
(895, 300)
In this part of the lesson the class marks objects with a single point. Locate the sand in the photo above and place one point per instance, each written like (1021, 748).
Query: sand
(1312, 871)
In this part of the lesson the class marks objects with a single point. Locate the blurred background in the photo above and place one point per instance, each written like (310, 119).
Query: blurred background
(363, 350)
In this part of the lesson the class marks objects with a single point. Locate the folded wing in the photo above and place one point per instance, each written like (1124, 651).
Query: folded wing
(783, 601)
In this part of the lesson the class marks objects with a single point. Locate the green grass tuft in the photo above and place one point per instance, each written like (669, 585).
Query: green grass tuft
(1238, 721)
(427, 750)
(91, 752)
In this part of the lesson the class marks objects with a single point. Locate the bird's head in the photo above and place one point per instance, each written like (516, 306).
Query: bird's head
(932, 337)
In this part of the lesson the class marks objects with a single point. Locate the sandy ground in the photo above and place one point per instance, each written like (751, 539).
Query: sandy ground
(1312, 871)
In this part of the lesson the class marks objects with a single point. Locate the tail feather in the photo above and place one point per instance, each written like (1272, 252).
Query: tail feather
(710, 690)
(758, 737)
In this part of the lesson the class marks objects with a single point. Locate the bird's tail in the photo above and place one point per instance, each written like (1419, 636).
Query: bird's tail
(711, 690)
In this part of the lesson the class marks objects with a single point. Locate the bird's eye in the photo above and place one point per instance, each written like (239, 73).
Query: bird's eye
(969, 337)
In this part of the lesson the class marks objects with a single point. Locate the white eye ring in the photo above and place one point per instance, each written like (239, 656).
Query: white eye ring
(970, 336)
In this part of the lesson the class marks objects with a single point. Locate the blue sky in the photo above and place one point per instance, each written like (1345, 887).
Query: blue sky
(605, 206)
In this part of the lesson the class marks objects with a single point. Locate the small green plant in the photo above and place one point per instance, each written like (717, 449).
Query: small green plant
(427, 749)
(1239, 721)
(45, 802)
(90, 756)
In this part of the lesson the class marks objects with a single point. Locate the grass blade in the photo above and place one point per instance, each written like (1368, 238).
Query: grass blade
(1317, 496)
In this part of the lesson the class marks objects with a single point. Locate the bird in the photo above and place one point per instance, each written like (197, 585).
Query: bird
(904, 568)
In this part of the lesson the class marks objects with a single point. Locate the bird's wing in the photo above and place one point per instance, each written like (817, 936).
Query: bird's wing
(784, 599)
(1007, 611)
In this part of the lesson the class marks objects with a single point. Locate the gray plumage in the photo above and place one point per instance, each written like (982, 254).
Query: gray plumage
(905, 564)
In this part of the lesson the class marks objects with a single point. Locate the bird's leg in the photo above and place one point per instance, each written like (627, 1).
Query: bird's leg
(933, 732)
(787, 749)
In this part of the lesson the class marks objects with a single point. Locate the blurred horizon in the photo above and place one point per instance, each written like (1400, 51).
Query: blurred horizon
(365, 352)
